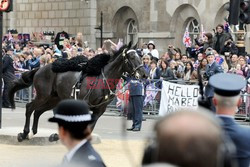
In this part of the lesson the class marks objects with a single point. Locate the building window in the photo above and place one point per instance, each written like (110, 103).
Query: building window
(194, 29)
(132, 31)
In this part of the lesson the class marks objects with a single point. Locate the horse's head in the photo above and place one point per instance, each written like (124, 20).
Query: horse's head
(132, 63)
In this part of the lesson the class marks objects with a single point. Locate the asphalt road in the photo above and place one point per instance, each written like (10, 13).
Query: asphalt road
(109, 126)
(118, 147)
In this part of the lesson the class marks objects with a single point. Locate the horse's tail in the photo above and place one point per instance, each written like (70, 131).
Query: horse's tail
(25, 81)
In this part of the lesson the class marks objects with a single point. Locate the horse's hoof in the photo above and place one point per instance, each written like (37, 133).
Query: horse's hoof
(20, 137)
(31, 135)
(54, 137)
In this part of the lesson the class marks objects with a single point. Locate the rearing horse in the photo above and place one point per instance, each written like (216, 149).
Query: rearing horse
(53, 87)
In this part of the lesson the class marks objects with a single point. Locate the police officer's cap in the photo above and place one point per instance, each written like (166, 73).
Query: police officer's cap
(227, 84)
(72, 111)
(209, 52)
(9, 48)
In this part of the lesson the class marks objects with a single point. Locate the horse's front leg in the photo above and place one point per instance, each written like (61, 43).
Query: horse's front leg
(97, 112)
(26, 130)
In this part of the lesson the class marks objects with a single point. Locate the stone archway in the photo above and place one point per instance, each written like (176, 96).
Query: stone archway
(220, 16)
(180, 19)
(125, 25)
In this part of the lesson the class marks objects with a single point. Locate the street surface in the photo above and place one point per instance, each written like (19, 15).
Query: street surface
(117, 148)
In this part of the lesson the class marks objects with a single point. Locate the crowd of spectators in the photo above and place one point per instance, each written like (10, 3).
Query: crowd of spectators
(176, 65)
(173, 65)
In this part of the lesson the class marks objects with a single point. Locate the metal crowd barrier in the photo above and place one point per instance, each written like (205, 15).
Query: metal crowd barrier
(152, 107)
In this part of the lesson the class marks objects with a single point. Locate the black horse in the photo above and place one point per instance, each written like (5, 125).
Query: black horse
(53, 87)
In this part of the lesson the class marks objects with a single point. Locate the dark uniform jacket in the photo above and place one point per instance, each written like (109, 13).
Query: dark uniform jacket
(241, 138)
(85, 156)
(136, 88)
(211, 70)
(8, 65)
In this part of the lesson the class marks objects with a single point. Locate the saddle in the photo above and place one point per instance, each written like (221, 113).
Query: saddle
(81, 64)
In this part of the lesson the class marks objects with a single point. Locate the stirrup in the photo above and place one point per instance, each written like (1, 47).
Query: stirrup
(75, 92)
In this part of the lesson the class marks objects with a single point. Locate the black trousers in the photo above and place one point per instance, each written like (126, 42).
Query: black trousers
(135, 109)
(7, 79)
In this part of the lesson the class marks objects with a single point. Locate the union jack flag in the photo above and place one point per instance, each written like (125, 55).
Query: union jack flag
(186, 39)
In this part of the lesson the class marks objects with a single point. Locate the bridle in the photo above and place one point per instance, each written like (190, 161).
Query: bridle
(128, 61)
(111, 93)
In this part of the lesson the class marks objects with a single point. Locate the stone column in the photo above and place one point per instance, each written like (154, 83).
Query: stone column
(88, 22)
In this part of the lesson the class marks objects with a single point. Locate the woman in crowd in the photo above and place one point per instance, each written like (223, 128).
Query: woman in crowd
(153, 50)
(154, 70)
(166, 71)
(198, 61)
(208, 41)
(202, 68)
(177, 56)
(179, 69)
(189, 72)
(243, 65)
(236, 70)
(146, 63)
(23, 61)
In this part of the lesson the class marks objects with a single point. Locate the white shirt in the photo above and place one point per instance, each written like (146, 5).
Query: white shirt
(70, 154)
(155, 53)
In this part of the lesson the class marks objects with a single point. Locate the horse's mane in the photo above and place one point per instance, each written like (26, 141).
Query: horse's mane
(117, 53)
(91, 67)
(96, 64)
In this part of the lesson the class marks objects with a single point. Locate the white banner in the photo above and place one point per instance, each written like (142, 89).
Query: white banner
(175, 96)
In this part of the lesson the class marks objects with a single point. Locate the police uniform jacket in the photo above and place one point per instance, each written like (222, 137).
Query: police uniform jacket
(85, 156)
(241, 138)
(8, 65)
(211, 70)
(136, 88)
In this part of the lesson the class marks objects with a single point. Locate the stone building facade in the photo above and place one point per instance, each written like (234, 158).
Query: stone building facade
(163, 21)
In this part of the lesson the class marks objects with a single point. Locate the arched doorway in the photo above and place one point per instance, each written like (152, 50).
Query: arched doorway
(183, 16)
(132, 31)
(125, 25)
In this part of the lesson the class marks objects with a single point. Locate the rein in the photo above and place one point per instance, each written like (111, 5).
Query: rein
(111, 94)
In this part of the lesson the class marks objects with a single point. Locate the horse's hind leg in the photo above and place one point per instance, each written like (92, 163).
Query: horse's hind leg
(26, 130)
(50, 104)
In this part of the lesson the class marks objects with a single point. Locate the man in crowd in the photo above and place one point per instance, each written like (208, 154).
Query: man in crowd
(220, 38)
(211, 68)
(227, 98)
(8, 75)
(184, 59)
(34, 62)
(187, 138)
(73, 119)
(233, 62)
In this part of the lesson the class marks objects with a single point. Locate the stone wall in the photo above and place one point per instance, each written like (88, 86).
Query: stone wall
(163, 21)
(71, 16)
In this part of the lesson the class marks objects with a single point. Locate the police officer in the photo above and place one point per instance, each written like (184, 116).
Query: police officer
(8, 75)
(136, 92)
(227, 98)
(73, 120)
(211, 68)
